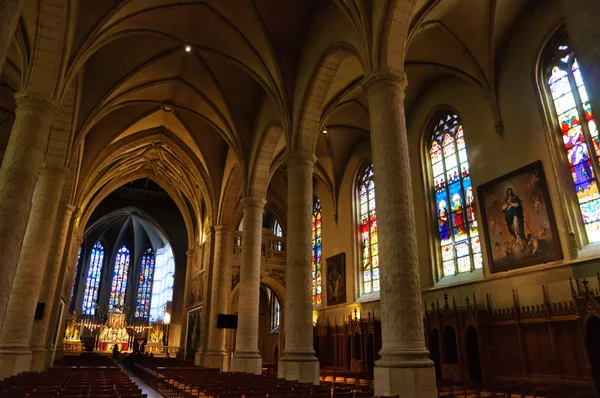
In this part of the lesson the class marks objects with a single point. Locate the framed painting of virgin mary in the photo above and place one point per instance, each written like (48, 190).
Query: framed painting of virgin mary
(518, 221)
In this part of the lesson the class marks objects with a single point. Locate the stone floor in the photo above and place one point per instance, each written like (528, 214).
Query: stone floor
(146, 389)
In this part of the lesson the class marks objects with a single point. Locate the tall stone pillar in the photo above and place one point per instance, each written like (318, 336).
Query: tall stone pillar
(18, 320)
(69, 266)
(18, 175)
(298, 361)
(181, 352)
(583, 26)
(9, 17)
(404, 367)
(42, 344)
(247, 358)
(216, 354)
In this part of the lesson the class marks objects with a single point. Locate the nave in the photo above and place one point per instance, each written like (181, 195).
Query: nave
(397, 195)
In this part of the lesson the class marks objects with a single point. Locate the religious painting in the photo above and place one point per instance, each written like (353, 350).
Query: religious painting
(197, 290)
(336, 279)
(518, 220)
(193, 333)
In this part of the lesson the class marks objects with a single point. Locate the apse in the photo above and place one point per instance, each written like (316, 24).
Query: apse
(127, 261)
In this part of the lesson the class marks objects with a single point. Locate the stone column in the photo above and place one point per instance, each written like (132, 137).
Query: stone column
(18, 175)
(18, 320)
(69, 266)
(298, 361)
(9, 17)
(216, 354)
(404, 367)
(181, 352)
(42, 338)
(247, 358)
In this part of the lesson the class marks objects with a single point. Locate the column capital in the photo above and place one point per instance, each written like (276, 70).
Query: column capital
(251, 201)
(298, 159)
(29, 100)
(189, 252)
(69, 208)
(53, 169)
(384, 77)
(223, 229)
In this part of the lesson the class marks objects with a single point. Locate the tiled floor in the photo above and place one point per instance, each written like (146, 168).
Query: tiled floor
(146, 389)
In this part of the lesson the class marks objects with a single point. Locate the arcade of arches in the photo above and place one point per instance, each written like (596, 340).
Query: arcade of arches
(397, 188)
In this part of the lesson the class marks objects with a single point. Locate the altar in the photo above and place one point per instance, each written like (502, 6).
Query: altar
(114, 332)
(72, 340)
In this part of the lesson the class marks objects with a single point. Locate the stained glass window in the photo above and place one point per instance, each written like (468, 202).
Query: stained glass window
(93, 280)
(162, 286)
(317, 285)
(454, 200)
(368, 230)
(142, 307)
(571, 107)
(119, 280)
(74, 285)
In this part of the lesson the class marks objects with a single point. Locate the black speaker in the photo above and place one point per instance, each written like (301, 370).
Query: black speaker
(227, 321)
(39, 311)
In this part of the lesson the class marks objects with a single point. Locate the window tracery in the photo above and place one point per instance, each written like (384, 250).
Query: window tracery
(368, 230)
(93, 280)
(573, 112)
(454, 199)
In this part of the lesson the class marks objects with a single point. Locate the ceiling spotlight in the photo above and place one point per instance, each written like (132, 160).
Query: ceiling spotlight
(188, 48)
(324, 131)
(167, 107)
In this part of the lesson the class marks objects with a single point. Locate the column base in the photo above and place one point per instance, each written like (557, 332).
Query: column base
(41, 358)
(406, 382)
(248, 362)
(14, 360)
(216, 360)
(304, 370)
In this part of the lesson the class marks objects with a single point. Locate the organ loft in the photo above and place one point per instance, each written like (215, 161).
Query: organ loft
(310, 198)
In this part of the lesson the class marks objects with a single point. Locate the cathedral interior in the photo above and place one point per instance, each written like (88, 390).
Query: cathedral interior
(328, 198)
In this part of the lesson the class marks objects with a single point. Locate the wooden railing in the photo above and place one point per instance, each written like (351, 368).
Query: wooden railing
(272, 248)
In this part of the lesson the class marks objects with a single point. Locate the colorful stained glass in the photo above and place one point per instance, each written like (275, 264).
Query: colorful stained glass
(571, 105)
(317, 284)
(92, 284)
(74, 285)
(142, 306)
(119, 281)
(368, 225)
(454, 197)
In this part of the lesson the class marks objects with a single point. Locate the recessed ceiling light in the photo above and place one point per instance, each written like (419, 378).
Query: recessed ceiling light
(167, 107)
(188, 48)
(325, 131)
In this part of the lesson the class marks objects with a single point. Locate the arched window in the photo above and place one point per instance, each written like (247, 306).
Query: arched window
(454, 200)
(571, 107)
(142, 307)
(368, 230)
(275, 313)
(277, 230)
(316, 253)
(119, 281)
(74, 285)
(162, 286)
(92, 283)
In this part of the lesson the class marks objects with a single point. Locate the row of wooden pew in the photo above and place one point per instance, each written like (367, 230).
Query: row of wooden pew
(76, 377)
(179, 379)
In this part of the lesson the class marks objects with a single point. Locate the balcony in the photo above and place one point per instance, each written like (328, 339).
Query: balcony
(272, 248)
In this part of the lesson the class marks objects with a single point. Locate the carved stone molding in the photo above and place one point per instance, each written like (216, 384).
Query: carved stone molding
(29, 101)
(376, 79)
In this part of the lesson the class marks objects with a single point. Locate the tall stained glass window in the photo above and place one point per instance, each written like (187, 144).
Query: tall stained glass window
(142, 307)
(119, 280)
(74, 285)
(93, 280)
(578, 129)
(317, 284)
(454, 200)
(368, 230)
